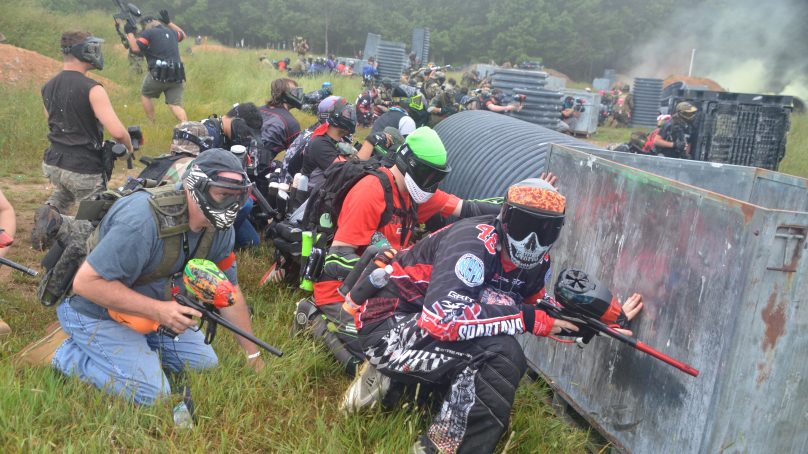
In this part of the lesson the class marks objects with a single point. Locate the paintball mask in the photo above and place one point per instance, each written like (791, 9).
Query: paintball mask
(219, 198)
(293, 97)
(531, 219)
(686, 111)
(88, 51)
(422, 160)
(343, 116)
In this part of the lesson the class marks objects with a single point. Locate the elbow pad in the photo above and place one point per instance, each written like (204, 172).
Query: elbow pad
(472, 208)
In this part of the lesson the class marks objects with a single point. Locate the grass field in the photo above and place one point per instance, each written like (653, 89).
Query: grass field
(289, 407)
(292, 406)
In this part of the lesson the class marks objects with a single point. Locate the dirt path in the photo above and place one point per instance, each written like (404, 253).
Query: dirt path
(22, 68)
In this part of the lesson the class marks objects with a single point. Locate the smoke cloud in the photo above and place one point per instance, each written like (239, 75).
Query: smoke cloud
(752, 46)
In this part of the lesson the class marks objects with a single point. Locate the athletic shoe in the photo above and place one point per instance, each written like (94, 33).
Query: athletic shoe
(47, 222)
(41, 352)
(368, 388)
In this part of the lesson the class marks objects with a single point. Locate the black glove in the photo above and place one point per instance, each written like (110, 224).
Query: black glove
(129, 27)
(164, 18)
(379, 138)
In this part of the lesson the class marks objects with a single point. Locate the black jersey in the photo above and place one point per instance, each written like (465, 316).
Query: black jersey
(459, 282)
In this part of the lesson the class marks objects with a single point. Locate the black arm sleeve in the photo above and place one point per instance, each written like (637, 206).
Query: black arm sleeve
(473, 208)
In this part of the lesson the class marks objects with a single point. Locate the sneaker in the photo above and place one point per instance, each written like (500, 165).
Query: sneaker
(47, 222)
(368, 388)
(41, 352)
(423, 446)
(5, 330)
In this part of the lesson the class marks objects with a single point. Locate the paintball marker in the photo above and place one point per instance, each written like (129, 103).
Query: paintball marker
(5, 241)
(111, 151)
(128, 13)
(585, 302)
(209, 291)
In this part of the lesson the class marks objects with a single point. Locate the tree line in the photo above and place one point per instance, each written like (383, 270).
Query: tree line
(580, 38)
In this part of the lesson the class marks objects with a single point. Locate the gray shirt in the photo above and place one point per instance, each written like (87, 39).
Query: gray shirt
(129, 247)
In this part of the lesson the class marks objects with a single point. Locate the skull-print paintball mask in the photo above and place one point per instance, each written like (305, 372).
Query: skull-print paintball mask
(531, 219)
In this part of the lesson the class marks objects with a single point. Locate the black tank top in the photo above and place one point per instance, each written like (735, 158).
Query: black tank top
(74, 132)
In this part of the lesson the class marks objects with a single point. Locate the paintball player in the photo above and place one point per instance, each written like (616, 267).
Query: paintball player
(8, 224)
(409, 190)
(677, 135)
(135, 263)
(470, 79)
(159, 43)
(279, 128)
(623, 105)
(293, 158)
(328, 143)
(497, 103)
(443, 105)
(449, 314)
(77, 109)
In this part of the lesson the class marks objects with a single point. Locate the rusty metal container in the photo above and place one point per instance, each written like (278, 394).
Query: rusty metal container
(720, 260)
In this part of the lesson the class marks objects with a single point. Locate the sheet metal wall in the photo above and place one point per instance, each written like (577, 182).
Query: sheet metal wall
(723, 282)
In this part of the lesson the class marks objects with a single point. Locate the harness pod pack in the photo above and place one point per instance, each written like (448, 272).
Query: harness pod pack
(79, 236)
(325, 204)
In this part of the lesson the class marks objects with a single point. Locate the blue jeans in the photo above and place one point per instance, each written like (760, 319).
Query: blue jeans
(246, 236)
(121, 361)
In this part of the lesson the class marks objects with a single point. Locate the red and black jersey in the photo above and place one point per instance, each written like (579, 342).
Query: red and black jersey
(461, 285)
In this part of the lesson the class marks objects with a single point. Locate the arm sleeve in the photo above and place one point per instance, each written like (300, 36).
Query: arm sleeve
(472, 208)
(452, 310)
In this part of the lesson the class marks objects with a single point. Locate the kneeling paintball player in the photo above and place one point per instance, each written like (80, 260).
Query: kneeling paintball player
(448, 316)
(134, 266)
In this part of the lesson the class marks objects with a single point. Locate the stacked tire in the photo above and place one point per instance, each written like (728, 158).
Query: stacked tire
(542, 106)
(391, 57)
(647, 96)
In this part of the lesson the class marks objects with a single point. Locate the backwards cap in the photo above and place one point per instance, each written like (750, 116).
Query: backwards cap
(534, 194)
(218, 160)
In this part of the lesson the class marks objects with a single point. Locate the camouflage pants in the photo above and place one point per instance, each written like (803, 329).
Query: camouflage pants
(71, 187)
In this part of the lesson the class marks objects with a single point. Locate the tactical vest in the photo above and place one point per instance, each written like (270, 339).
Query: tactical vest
(169, 209)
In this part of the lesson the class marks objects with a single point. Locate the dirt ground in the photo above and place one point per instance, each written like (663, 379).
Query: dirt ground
(20, 67)
(709, 83)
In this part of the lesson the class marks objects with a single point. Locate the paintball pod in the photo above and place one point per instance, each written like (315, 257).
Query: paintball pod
(5, 241)
(587, 303)
(209, 291)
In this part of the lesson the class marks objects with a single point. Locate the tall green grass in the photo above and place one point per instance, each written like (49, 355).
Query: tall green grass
(292, 406)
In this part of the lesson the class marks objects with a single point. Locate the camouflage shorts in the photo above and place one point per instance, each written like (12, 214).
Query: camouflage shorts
(71, 187)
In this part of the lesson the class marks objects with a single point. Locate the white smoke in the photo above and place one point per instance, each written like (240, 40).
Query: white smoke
(752, 46)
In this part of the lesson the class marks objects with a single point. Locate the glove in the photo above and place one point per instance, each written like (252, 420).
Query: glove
(339, 262)
(537, 321)
(129, 27)
(377, 139)
(164, 18)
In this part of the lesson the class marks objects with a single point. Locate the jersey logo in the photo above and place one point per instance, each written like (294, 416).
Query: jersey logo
(488, 235)
(470, 270)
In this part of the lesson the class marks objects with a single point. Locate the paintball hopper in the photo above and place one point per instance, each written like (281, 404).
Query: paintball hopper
(582, 294)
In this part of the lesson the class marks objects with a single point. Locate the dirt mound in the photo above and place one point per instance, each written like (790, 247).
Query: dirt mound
(22, 68)
(709, 83)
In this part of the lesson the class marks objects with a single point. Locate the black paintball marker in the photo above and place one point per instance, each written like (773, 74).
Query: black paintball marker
(127, 13)
(587, 303)
(111, 151)
(5, 241)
